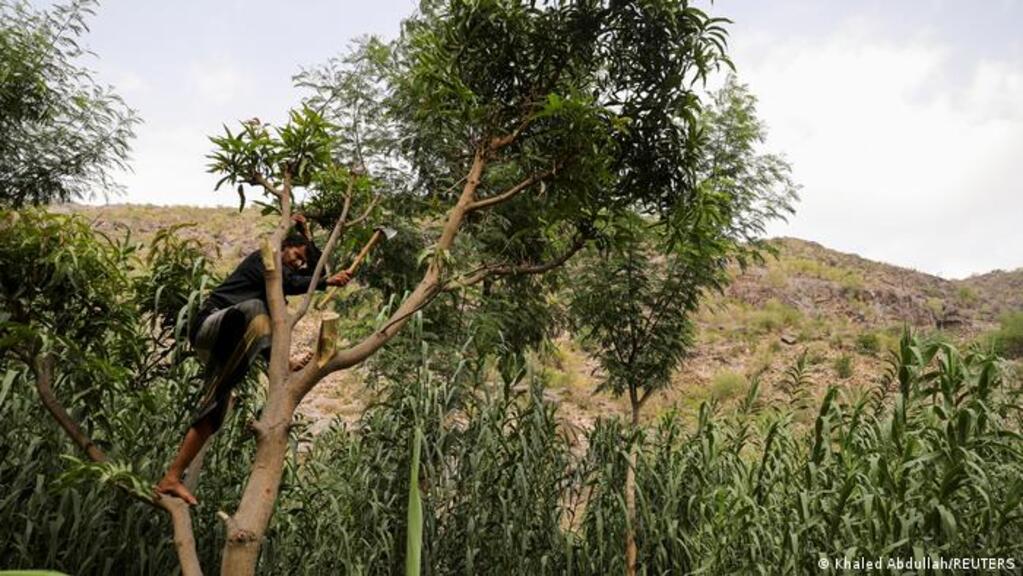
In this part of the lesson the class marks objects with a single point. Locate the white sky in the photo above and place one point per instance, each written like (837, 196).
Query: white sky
(903, 120)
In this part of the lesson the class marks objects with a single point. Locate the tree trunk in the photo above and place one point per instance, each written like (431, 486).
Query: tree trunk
(245, 530)
(630, 491)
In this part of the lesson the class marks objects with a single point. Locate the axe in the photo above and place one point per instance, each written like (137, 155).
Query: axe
(379, 233)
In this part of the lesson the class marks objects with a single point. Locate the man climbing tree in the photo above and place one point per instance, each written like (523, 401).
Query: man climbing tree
(230, 330)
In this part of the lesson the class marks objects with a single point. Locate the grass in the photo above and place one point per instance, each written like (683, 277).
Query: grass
(874, 342)
(1008, 339)
(843, 366)
(966, 296)
(850, 280)
(727, 384)
(775, 316)
(868, 343)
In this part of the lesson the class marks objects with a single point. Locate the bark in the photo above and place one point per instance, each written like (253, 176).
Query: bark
(184, 538)
(488, 271)
(427, 288)
(44, 385)
(321, 264)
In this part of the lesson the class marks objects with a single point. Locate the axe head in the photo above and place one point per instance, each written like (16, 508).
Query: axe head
(388, 233)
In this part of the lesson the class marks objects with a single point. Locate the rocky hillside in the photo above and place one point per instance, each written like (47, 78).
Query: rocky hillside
(839, 312)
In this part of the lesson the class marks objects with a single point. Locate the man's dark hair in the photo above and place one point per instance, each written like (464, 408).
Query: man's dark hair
(312, 253)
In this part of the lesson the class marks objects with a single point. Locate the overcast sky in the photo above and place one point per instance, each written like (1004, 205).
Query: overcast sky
(903, 120)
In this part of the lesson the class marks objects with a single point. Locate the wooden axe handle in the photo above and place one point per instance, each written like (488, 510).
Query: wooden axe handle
(365, 250)
(329, 295)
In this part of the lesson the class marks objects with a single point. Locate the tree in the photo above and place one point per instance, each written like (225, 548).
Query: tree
(636, 295)
(60, 132)
(81, 314)
(551, 123)
(519, 134)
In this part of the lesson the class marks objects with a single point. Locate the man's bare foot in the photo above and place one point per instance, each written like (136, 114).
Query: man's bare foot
(174, 487)
(299, 361)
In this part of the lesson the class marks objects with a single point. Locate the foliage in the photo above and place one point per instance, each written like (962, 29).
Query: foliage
(414, 531)
(177, 275)
(595, 106)
(1008, 339)
(758, 186)
(61, 133)
(929, 464)
(844, 366)
(774, 316)
(635, 310)
(493, 471)
(636, 306)
(86, 300)
(868, 343)
(727, 384)
(931, 470)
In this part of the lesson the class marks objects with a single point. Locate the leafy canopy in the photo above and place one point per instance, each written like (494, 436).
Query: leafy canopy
(635, 295)
(580, 115)
(60, 132)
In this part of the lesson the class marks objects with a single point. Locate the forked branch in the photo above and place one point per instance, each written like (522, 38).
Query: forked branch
(260, 179)
(181, 520)
(425, 291)
(499, 142)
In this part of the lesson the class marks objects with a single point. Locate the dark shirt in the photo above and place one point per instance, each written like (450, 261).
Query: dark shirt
(247, 282)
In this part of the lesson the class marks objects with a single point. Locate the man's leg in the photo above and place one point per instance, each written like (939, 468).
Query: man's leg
(195, 438)
(241, 332)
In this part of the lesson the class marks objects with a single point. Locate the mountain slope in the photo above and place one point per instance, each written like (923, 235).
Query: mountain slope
(839, 311)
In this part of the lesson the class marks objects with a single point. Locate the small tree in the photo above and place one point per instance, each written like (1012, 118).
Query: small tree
(636, 295)
(510, 135)
(60, 131)
(557, 120)
(88, 321)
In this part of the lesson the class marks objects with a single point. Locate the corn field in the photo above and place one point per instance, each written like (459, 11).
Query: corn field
(927, 464)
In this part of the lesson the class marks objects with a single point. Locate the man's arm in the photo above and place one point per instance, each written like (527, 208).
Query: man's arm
(295, 283)
(302, 225)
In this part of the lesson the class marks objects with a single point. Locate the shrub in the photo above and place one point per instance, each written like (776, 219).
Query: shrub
(1008, 339)
(774, 316)
(868, 343)
(749, 493)
(503, 494)
(777, 278)
(727, 384)
(843, 366)
(966, 295)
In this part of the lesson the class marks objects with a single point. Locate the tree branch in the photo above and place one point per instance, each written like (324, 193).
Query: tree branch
(490, 270)
(262, 181)
(181, 519)
(273, 275)
(366, 214)
(514, 190)
(499, 142)
(420, 296)
(335, 234)
(43, 369)
(647, 393)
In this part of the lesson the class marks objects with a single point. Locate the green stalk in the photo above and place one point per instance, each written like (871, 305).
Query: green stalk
(414, 536)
